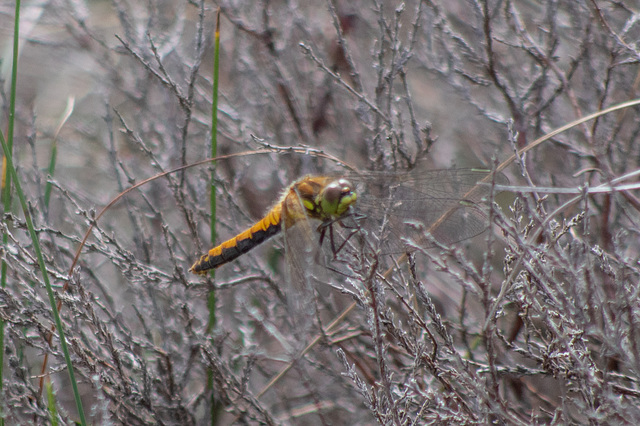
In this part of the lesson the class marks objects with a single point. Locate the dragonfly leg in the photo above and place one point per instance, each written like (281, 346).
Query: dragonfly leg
(322, 229)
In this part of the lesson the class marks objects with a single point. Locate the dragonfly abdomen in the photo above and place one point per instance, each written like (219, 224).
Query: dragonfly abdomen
(235, 247)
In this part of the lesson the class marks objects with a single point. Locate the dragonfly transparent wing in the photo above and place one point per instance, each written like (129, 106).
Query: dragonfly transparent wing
(301, 247)
(444, 202)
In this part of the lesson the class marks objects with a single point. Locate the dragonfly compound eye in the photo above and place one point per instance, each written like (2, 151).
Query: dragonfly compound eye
(336, 198)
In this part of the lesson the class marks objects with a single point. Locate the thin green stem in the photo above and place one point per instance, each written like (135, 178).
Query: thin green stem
(9, 174)
(211, 299)
(54, 150)
(45, 277)
(214, 152)
(6, 178)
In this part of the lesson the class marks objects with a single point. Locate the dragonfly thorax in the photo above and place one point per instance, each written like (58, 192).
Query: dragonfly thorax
(317, 197)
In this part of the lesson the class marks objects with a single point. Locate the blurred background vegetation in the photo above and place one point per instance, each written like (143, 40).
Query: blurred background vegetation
(532, 322)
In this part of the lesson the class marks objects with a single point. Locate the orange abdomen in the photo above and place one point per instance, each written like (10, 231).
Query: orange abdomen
(231, 249)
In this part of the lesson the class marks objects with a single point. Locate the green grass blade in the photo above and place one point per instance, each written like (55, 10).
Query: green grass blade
(211, 302)
(211, 298)
(54, 149)
(10, 173)
(45, 277)
(51, 404)
(6, 177)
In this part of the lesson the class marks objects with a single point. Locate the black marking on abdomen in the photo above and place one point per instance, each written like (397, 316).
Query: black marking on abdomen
(229, 254)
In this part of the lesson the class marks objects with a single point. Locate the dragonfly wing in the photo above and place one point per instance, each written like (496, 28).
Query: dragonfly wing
(300, 251)
(444, 202)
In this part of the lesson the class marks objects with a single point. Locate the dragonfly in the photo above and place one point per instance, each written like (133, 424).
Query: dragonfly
(312, 197)
(390, 204)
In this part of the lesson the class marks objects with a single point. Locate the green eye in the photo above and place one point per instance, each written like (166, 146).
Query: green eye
(336, 198)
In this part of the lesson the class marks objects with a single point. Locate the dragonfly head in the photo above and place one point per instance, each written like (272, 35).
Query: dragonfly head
(336, 198)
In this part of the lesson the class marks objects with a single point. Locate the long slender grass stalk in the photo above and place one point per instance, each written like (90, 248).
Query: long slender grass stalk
(51, 404)
(54, 149)
(6, 178)
(214, 153)
(10, 173)
(211, 298)
(45, 277)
